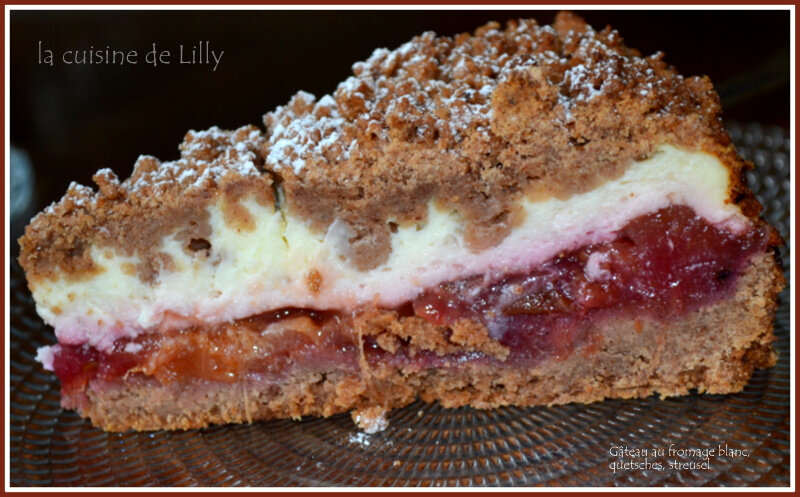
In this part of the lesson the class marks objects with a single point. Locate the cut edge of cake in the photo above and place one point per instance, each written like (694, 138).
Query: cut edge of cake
(445, 160)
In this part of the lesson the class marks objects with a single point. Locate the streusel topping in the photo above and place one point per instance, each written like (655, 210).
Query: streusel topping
(159, 198)
(475, 122)
(472, 123)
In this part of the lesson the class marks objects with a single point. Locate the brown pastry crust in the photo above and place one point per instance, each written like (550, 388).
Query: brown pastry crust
(415, 334)
(472, 122)
(714, 349)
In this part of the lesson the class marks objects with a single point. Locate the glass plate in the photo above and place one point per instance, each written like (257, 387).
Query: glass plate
(426, 445)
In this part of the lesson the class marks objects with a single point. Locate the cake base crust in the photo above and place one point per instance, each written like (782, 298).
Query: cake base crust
(714, 349)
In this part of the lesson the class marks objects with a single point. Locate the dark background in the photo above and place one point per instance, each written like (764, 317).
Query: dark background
(75, 119)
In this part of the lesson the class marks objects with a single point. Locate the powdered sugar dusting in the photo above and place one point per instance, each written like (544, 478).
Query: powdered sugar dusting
(206, 157)
(440, 90)
(370, 419)
(306, 128)
(360, 438)
(77, 197)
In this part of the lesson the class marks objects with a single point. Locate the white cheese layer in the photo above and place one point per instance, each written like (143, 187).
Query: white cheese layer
(249, 272)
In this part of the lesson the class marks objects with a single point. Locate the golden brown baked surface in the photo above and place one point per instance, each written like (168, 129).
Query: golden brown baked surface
(472, 122)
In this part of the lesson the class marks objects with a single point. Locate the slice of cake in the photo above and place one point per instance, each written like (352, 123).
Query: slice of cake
(528, 215)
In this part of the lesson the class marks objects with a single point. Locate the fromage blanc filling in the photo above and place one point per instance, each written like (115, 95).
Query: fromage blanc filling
(236, 273)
